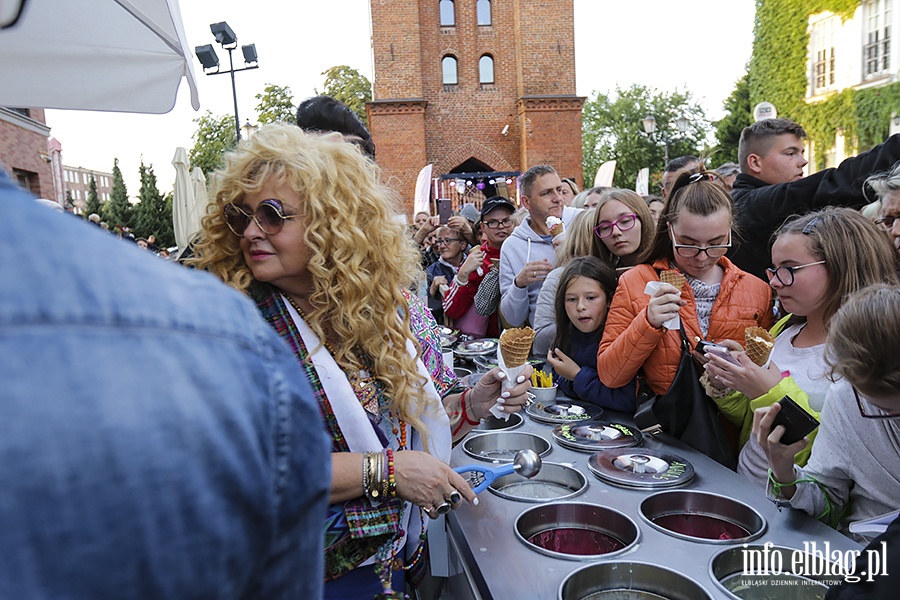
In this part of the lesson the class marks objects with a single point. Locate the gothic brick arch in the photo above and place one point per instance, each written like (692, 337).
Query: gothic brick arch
(464, 152)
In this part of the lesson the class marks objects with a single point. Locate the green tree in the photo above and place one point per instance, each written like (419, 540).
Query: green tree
(118, 211)
(612, 130)
(739, 115)
(350, 87)
(276, 105)
(153, 217)
(213, 137)
(93, 200)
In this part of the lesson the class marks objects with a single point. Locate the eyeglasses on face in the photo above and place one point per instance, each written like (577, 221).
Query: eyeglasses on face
(865, 409)
(446, 241)
(495, 224)
(886, 221)
(691, 251)
(624, 223)
(268, 216)
(785, 275)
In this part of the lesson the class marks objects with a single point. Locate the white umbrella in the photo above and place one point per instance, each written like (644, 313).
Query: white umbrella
(112, 55)
(182, 200)
(201, 197)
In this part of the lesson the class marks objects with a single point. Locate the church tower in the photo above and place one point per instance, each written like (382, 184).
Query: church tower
(480, 89)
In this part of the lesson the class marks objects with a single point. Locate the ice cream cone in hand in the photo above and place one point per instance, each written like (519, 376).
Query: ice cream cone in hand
(759, 343)
(515, 344)
(555, 225)
(673, 278)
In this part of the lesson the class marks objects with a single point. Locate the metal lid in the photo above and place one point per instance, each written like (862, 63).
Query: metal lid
(594, 436)
(492, 423)
(564, 411)
(643, 468)
(480, 347)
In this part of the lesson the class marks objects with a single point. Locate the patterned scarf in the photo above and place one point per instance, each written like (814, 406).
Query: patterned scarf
(354, 530)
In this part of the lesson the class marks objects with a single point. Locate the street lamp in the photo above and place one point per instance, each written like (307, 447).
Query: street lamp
(649, 124)
(210, 60)
(249, 129)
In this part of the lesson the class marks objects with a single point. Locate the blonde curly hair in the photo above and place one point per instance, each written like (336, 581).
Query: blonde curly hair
(360, 256)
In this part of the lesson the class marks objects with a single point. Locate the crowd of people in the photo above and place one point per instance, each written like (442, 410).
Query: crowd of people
(309, 411)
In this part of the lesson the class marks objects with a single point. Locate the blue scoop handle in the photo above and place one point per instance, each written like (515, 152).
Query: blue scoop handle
(489, 474)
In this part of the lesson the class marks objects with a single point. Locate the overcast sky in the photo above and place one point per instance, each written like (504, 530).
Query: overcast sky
(702, 46)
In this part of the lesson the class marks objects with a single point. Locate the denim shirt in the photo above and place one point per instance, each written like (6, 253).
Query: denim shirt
(157, 439)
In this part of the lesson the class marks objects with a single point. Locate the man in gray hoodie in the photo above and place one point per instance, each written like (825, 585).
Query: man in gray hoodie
(528, 255)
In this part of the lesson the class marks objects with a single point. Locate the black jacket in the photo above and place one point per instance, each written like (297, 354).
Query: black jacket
(761, 208)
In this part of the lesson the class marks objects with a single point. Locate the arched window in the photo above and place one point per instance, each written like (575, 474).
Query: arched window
(448, 17)
(486, 69)
(483, 8)
(448, 67)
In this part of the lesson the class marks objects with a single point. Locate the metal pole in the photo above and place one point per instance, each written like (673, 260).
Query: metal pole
(237, 121)
(666, 140)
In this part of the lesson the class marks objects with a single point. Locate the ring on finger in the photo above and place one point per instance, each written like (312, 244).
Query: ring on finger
(455, 497)
(443, 508)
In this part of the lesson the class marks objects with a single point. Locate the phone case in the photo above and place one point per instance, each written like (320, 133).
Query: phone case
(797, 422)
(445, 207)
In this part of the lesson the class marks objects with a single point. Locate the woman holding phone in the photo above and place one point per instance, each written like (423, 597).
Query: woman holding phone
(819, 260)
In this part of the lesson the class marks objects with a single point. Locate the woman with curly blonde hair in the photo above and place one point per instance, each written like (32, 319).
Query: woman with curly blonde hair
(303, 225)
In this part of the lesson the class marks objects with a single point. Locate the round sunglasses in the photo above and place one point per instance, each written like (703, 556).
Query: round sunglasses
(268, 217)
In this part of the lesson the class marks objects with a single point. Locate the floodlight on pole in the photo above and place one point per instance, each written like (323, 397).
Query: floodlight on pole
(209, 59)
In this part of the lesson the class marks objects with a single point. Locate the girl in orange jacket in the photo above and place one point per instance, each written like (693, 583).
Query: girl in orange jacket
(717, 301)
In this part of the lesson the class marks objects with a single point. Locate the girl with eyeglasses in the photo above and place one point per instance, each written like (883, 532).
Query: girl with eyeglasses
(623, 228)
(854, 470)
(717, 301)
(618, 229)
(303, 225)
(819, 260)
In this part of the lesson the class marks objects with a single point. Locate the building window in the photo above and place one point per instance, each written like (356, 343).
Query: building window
(448, 67)
(22, 111)
(877, 50)
(822, 51)
(486, 69)
(448, 16)
(483, 8)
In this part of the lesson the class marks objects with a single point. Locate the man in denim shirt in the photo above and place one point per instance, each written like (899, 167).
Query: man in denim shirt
(157, 439)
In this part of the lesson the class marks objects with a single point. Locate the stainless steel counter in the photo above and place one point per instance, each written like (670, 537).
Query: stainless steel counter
(488, 561)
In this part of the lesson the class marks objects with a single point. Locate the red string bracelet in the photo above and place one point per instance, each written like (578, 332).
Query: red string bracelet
(462, 406)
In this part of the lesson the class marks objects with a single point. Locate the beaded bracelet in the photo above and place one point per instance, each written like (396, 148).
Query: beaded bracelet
(391, 482)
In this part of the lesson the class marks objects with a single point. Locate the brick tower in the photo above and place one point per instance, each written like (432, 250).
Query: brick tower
(474, 87)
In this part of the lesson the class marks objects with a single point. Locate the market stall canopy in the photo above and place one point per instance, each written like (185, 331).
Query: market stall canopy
(108, 55)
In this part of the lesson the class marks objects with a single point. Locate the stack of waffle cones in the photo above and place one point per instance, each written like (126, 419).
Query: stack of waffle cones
(673, 278)
(759, 344)
(515, 345)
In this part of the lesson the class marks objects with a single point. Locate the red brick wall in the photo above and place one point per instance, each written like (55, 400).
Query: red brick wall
(23, 149)
(467, 120)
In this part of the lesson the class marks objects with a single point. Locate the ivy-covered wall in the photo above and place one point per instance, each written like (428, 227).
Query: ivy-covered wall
(778, 74)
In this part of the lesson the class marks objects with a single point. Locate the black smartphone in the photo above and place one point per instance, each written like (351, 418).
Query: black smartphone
(445, 208)
(797, 422)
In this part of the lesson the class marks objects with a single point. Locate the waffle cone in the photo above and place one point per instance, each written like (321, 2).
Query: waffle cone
(515, 344)
(759, 344)
(556, 229)
(673, 278)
